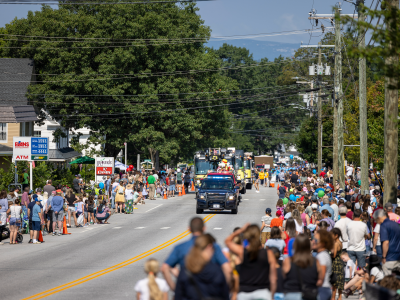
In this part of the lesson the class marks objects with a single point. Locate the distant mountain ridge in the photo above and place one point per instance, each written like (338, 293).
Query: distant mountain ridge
(260, 49)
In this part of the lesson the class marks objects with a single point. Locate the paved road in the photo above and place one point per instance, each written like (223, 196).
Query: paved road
(105, 261)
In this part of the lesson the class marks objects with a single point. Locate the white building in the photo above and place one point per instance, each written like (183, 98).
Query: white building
(60, 150)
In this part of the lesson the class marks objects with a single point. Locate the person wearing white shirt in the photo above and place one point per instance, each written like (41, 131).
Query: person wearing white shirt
(335, 208)
(350, 170)
(357, 232)
(377, 247)
(342, 225)
(145, 287)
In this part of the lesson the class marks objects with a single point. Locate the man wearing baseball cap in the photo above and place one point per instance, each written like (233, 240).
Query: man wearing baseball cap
(36, 220)
(76, 183)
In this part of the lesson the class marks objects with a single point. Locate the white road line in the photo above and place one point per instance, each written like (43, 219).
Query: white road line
(153, 208)
(165, 227)
(117, 227)
(245, 199)
(140, 227)
(262, 199)
(217, 228)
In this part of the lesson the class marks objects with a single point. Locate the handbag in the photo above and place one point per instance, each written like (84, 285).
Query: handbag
(306, 292)
(199, 293)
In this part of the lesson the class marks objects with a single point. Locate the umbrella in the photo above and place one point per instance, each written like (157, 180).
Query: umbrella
(85, 160)
(120, 165)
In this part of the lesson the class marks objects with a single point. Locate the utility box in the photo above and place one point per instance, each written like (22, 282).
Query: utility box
(327, 70)
(320, 70)
(311, 70)
(305, 98)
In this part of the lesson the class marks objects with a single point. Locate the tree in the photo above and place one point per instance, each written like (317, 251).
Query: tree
(267, 119)
(124, 72)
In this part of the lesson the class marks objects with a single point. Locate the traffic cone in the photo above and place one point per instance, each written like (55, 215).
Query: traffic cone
(40, 237)
(65, 229)
(165, 196)
(183, 191)
(193, 186)
(180, 192)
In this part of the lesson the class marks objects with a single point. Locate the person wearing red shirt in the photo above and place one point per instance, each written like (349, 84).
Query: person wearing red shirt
(322, 174)
(277, 222)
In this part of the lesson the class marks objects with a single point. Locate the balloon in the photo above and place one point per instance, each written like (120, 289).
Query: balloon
(292, 197)
(321, 194)
(314, 171)
(131, 167)
(285, 201)
(101, 185)
(291, 156)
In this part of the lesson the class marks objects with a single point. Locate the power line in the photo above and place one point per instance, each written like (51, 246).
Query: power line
(147, 75)
(169, 102)
(98, 3)
(169, 110)
(163, 94)
(166, 39)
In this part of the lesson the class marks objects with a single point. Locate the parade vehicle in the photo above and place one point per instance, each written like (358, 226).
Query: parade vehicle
(201, 168)
(220, 159)
(217, 194)
(248, 167)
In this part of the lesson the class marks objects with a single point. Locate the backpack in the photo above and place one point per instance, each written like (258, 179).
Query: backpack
(121, 190)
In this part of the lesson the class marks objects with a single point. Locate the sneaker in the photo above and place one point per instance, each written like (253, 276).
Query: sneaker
(54, 234)
(85, 225)
(30, 241)
(59, 234)
(68, 226)
(135, 208)
(1, 243)
(37, 243)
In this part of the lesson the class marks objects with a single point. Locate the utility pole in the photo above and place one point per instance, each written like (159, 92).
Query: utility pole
(391, 115)
(319, 104)
(126, 153)
(339, 100)
(363, 108)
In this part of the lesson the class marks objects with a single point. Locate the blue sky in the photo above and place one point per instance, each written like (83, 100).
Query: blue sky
(240, 17)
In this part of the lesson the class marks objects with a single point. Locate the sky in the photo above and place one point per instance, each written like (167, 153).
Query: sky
(241, 17)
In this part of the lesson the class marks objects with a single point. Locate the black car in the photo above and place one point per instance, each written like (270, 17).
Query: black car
(217, 194)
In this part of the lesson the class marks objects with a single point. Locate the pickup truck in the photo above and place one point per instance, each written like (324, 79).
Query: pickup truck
(217, 194)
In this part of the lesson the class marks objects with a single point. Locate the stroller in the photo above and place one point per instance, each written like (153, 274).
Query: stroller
(6, 234)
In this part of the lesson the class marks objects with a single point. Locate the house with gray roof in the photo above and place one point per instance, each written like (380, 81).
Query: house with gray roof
(17, 115)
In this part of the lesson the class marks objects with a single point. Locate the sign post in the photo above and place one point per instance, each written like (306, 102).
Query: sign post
(104, 167)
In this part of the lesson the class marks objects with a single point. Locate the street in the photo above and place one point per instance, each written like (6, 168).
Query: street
(105, 261)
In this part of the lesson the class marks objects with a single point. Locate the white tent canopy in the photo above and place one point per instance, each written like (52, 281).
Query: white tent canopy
(120, 165)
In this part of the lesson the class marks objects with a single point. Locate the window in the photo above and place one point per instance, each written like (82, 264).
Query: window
(3, 132)
(37, 133)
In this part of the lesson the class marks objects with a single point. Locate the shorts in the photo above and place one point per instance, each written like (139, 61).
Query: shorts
(179, 181)
(90, 210)
(15, 221)
(171, 187)
(35, 225)
(103, 218)
(49, 215)
(71, 208)
(58, 217)
(262, 181)
(86, 214)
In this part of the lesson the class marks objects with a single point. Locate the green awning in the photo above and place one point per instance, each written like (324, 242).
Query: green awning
(86, 160)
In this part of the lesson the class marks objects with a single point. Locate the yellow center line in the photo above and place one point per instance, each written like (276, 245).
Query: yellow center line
(113, 268)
